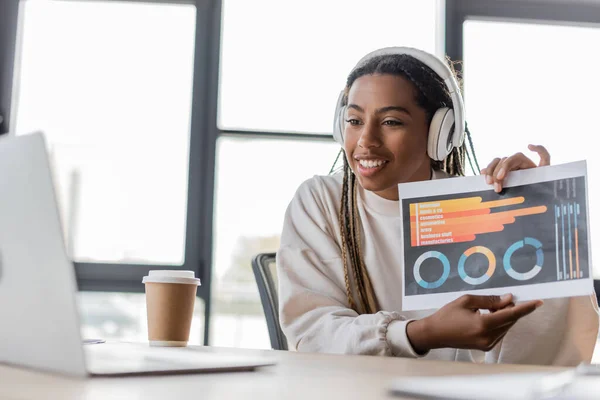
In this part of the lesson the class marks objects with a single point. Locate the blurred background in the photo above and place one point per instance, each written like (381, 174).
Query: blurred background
(180, 130)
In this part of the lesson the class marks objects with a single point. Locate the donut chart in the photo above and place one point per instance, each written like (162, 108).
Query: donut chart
(539, 254)
(491, 265)
(520, 276)
(425, 256)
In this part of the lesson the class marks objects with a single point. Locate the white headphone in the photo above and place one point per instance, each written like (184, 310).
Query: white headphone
(442, 138)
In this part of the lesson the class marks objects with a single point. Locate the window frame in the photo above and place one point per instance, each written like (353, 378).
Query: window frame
(9, 19)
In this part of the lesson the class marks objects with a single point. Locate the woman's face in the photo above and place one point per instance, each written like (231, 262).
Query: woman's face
(385, 137)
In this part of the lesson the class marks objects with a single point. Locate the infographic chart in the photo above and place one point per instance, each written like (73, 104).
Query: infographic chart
(461, 237)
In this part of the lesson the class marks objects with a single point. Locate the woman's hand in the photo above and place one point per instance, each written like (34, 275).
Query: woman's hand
(496, 171)
(461, 325)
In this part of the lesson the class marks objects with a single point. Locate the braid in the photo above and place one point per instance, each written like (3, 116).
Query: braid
(350, 228)
(344, 228)
(472, 149)
(430, 96)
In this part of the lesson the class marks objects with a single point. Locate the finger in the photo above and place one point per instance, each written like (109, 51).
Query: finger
(493, 310)
(487, 171)
(542, 152)
(510, 314)
(485, 302)
(513, 163)
(495, 181)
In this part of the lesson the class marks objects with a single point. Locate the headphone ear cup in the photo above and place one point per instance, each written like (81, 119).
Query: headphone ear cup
(339, 126)
(439, 143)
(338, 120)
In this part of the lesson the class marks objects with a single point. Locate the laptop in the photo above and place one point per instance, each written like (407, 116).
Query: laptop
(39, 317)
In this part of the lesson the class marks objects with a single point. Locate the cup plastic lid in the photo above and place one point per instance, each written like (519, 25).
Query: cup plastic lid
(171, 276)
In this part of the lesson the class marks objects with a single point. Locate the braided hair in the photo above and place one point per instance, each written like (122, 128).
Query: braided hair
(431, 94)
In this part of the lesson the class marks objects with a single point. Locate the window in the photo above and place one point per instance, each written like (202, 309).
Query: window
(518, 90)
(252, 195)
(284, 63)
(110, 83)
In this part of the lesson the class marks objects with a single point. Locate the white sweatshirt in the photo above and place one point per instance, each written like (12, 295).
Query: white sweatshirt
(316, 317)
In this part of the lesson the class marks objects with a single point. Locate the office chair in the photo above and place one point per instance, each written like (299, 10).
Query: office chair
(263, 266)
(597, 289)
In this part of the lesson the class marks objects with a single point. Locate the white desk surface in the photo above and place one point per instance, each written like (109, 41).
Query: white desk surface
(296, 376)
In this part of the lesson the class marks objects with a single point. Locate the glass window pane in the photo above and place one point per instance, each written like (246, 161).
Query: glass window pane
(518, 91)
(122, 316)
(251, 198)
(115, 104)
(283, 68)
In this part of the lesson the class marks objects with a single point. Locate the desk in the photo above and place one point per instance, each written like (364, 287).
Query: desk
(297, 376)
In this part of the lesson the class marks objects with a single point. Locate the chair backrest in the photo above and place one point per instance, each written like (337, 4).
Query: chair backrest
(265, 272)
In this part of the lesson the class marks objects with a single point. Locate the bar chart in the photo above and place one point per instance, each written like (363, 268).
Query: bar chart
(567, 241)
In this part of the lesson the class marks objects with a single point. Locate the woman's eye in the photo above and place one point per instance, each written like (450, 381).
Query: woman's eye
(353, 121)
(392, 122)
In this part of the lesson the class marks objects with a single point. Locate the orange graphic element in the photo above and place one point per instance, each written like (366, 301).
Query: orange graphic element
(486, 252)
(571, 264)
(458, 231)
(470, 203)
(459, 220)
(456, 214)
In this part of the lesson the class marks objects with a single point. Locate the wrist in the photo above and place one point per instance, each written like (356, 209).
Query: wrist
(419, 335)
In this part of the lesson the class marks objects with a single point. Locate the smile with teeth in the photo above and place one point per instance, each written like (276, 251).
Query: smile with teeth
(371, 163)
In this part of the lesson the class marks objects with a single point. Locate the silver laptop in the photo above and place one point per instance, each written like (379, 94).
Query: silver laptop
(39, 321)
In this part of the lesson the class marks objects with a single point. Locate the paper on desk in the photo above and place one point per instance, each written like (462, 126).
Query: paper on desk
(491, 387)
(458, 236)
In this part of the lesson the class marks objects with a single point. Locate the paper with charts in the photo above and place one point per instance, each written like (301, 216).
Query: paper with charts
(532, 240)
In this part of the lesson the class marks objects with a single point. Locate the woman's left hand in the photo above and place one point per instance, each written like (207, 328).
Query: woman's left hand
(498, 169)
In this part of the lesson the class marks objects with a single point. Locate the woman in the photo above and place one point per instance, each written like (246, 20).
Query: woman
(339, 278)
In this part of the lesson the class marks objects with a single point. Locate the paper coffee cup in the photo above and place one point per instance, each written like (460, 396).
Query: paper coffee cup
(170, 299)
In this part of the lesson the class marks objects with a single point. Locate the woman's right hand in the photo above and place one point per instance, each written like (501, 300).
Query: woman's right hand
(461, 325)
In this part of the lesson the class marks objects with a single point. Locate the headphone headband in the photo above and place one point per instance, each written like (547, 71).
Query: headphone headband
(439, 67)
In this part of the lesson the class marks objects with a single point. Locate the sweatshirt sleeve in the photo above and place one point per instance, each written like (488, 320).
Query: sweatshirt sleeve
(314, 310)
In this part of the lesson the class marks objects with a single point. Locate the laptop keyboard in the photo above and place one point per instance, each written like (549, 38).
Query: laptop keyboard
(123, 358)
